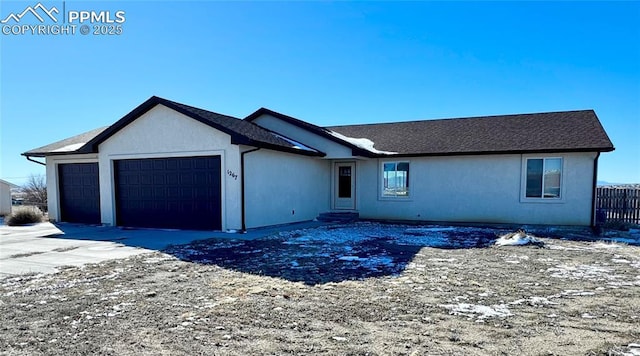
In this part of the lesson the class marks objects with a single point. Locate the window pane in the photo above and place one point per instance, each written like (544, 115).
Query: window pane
(344, 182)
(388, 174)
(396, 179)
(534, 178)
(404, 166)
(389, 182)
(552, 177)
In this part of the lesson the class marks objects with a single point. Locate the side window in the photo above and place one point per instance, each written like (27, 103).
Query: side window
(395, 179)
(543, 178)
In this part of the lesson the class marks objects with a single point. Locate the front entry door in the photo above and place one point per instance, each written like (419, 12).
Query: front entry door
(345, 186)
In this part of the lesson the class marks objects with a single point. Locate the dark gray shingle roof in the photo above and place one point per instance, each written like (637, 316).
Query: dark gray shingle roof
(66, 146)
(567, 131)
(241, 132)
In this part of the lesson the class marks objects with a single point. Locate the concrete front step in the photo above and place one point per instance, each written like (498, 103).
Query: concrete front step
(339, 216)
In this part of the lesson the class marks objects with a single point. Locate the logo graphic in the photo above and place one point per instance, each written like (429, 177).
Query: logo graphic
(38, 20)
(34, 11)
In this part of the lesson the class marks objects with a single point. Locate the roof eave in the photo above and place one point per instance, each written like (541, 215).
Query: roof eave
(320, 131)
(241, 140)
(502, 152)
(32, 154)
(361, 152)
(81, 150)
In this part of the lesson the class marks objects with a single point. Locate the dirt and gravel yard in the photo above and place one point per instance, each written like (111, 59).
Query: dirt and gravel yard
(360, 289)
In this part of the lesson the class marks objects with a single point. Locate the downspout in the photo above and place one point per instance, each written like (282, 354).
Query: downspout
(34, 161)
(244, 219)
(595, 191)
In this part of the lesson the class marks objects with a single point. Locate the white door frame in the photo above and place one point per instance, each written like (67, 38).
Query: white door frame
(344, 185)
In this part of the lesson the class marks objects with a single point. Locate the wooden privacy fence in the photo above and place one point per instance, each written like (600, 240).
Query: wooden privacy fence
(619, 204)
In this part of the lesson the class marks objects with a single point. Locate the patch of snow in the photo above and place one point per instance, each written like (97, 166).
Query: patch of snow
(442, 259)
(615, 285)
(232, 231)
(70, 148)
(480, 311)
(350, 258)
(626, 240)
(588, 316)
(515, 259)
(363, 143)
(516, 239)
(433, 240)
(295, 144)
(62, 284)
(620, 260)
(151, 260)
(577, 293)
(533, 301)
(375, 262)
(602, 244)
(427, 230)
(439, 237)
(564, 248)
(579, 272)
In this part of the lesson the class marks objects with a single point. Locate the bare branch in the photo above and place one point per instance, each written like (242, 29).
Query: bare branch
(35, 190)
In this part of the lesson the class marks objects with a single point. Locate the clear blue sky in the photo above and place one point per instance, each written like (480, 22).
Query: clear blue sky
(328, 63)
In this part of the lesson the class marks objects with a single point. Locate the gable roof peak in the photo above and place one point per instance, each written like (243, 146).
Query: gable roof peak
(359, 149)
(241, 132)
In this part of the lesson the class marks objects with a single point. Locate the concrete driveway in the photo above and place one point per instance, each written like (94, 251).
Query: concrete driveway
(26, 249)
(44, 247)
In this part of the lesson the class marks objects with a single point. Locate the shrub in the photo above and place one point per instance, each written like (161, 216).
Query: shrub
(24, 216)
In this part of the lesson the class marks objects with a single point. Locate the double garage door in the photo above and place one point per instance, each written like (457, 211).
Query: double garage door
(175, 193)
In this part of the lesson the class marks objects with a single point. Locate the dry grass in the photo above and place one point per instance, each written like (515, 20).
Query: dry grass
(570, 298)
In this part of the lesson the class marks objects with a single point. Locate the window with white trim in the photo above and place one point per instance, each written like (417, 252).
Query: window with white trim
(395, 179)
(543, 178)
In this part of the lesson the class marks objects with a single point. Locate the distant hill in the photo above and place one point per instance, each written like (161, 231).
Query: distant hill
(602, 183)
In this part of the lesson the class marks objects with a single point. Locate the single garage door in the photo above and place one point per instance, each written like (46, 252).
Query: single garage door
(79, 192)
(176, 193)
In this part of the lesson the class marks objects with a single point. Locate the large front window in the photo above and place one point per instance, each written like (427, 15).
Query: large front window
(544, 177)
(395, 178)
